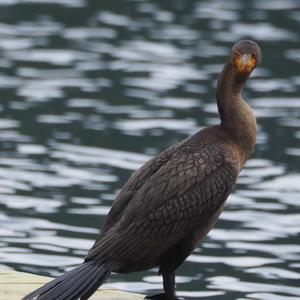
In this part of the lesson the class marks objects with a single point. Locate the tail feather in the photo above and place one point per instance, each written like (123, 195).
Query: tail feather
(65, 290)
(83, 278)
(63, 286)
(79, 283)
(93, 286)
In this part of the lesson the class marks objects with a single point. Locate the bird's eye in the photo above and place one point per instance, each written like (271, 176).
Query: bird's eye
(253, 55)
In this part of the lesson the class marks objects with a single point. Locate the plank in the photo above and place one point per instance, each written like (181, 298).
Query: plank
(14, 285)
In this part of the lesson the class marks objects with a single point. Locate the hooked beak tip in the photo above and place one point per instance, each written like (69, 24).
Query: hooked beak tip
(245, 63)
(244, 59)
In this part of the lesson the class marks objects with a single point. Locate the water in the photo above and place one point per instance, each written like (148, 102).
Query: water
(92, 89)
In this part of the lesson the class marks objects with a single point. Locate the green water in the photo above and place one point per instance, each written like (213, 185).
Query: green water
(92, 89)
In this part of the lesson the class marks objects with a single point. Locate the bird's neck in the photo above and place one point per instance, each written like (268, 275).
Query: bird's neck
(237, 118)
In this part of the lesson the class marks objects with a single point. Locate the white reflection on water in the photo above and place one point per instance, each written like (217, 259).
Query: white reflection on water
(263, 31)
(243, 261)
(91, 155)
(276, 102)
(274, 273)
(270, 296)
(234, 284)
(87, 91)
(288, 183)
(281, 251)
(128, 125)
(277, 5)
(32, 259)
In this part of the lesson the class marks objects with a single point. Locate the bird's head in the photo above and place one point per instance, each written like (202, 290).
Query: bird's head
(245, 56)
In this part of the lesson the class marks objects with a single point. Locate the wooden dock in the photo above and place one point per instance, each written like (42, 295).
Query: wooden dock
(15, 285)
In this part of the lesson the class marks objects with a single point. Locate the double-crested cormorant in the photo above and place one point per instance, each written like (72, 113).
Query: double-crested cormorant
(171, 202)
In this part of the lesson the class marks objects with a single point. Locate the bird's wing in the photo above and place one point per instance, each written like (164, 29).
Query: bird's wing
(182, 194)
(135, 182)
(185, 171)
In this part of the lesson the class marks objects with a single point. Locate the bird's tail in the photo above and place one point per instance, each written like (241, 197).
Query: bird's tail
(79, 283)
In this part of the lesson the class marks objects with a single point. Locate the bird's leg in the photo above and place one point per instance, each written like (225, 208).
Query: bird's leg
(169, 287)
(169, 284)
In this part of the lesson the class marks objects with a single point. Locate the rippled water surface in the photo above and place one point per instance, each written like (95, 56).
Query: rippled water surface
(92, 89)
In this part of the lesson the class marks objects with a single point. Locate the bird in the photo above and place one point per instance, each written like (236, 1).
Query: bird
(171, 202)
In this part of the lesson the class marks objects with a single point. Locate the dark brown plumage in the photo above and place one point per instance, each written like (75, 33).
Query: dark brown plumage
(171, 202)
